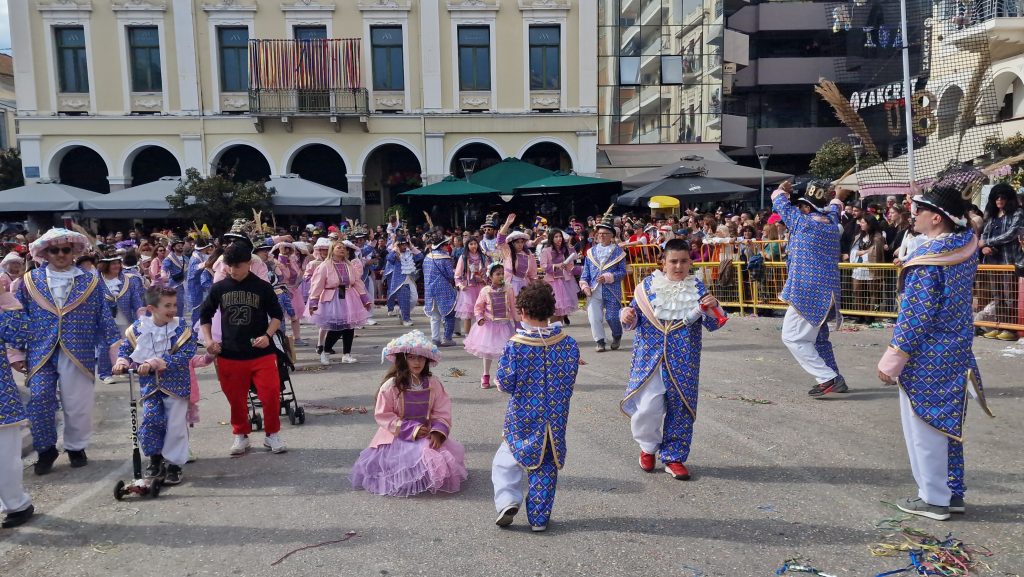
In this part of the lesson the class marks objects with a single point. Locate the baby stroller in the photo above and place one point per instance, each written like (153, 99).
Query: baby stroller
(289, 404)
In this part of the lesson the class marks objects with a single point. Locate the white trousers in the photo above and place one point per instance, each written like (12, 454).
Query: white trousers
(371, 291)
(929, 456)
(799, 337)
(13, 497)
(436, 325)
(507, 476)
(176, 437)
(595, 313)
(77, 400)
(649, 419)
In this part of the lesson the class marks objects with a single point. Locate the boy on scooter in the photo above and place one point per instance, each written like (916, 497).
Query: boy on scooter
(160, 345)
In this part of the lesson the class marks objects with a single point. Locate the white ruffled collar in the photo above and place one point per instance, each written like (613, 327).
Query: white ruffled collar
(673, 300)
(154, 341)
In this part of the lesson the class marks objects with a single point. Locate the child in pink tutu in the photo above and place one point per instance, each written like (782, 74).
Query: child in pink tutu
(470, 277)
(411, 452)
(496, 318)
(557, 260)
(338, 300)
(520, 263)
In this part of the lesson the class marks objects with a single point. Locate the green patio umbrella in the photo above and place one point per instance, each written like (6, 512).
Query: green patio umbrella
(451, 186)
(565, 180)
(510, 174)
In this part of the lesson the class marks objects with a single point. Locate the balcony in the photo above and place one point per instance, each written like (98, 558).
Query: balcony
(1000, 21)
(306, 78)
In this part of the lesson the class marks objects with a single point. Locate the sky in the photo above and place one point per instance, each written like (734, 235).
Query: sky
(5, 28)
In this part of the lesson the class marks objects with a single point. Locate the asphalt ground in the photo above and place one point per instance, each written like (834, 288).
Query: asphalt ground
(775, 475)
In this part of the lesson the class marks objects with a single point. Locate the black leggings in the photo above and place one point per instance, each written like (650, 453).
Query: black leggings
(346, 337)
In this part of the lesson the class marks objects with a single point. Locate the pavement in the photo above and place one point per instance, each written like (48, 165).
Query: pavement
(775, 475)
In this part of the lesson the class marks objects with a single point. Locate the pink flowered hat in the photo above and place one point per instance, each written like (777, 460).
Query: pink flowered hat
(415, 343)
(57, 236)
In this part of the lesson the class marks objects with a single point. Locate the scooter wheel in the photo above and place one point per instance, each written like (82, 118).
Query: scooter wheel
(154, 489)
(290, 411)
(257, 422)
(300, 415)
(119, 490)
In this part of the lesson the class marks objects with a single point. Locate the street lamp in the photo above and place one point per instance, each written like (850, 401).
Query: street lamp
(468, 166)
(857, 144)
(764, 152)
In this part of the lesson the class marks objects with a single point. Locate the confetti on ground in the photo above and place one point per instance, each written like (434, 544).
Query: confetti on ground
(850, 329)
(310, 369)
(347, 536)
(692, 571)
(801, 565)
(767, 508)
(930, 555)
(326, 410)
(104, 547)
(456, 372)
(751, 400)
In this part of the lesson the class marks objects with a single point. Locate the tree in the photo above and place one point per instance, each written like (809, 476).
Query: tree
(10, 169)
(217, 200)
(834, 158)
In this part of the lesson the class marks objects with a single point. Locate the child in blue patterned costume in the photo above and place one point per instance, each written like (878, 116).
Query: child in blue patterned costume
(930, 355)
(440, 293)
(601, 280)
(661, 398)
(174, 269)
(161, 345)
(199, 277)
(403, 259)
(14, 501)
(68, 318)
(538, 370)
(812, 281)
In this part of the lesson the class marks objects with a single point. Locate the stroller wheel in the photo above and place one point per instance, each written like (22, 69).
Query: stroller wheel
(154, 489)
(290, 411)
(119, 490)
(257, 422)
(300, 415)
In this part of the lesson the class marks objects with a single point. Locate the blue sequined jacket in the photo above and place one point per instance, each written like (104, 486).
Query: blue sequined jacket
(197, 282)
(616, 265)
(539, 373)
(130, 298)
(672, 347)
(812, 277)
(76, 329)
(13, 333)
(438, 283)
(931, 350)
(175, 379)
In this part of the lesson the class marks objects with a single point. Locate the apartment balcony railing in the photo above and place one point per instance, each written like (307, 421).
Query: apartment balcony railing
(978, 11)
(306, 78)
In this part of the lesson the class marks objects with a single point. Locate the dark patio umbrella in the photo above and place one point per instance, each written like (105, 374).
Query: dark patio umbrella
(451, 187)
(509, 174)
(734, 173)
(688, 188)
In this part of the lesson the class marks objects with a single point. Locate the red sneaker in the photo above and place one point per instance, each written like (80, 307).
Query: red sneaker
(646, 461)
(678, 471)
(485, 382)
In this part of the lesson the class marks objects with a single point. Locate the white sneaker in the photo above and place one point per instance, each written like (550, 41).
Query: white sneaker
(406, 323)
(325, 359)
(391, 313)
(370, 322)
(275, 444)
(348, 359)
(240, 445)
(108, 381)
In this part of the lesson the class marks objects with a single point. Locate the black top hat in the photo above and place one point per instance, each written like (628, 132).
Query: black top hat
(491, 221)
(952, 192)
(607, 221)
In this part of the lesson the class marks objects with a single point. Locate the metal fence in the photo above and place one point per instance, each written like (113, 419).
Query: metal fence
(867, 290)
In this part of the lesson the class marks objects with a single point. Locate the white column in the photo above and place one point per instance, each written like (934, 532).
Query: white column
(24, 63)
(355, 186)
(185, 43)
(430, 55)
(436, 170)
(119, 182)
(586, 151)
(194, 156)
(32, 157)
(587, 80)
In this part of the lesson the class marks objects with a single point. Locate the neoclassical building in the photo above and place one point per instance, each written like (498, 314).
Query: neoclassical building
(368, 96)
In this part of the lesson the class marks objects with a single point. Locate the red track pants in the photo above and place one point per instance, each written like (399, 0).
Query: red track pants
(235, 378)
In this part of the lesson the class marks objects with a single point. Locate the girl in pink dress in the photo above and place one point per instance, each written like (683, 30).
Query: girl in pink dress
(470, 277)
(520, 264)
(319, 255)
(557, 260)
(496, 313)
(411, 452)
(289, 271)
(159, 255)
(338, 300)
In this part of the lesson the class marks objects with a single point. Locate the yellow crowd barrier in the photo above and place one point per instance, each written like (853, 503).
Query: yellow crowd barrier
(867, 290)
